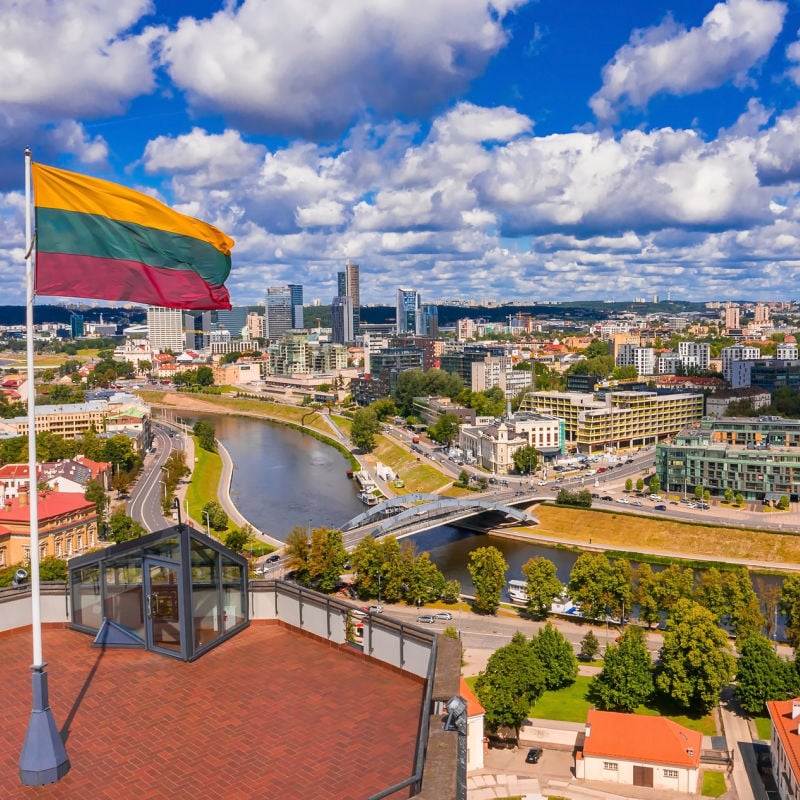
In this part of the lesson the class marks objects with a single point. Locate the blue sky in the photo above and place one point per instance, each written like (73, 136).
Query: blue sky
(503, 150)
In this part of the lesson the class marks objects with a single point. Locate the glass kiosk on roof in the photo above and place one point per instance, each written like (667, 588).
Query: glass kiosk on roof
(176, 592)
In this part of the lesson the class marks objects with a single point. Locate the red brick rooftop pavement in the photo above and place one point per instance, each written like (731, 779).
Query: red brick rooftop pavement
(268, 714)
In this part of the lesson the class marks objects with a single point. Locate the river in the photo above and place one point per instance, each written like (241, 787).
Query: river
(283, 478)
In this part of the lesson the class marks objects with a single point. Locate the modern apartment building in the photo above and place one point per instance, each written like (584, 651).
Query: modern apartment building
(695, 355)
(773, 374)
(165, 329)
(498, 371)
(732, 360)
(196, 327)
(732, 317)
(295, 354)
(642, 358)
(623, 419)
(233, 320)
(758, 457)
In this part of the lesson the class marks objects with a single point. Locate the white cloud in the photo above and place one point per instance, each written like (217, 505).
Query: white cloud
(65, 58)
(71, 137)
(314, 67)
(733, 37)
(203, 159)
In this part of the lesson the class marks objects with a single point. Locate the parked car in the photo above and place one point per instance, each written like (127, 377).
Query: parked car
(607, 497)
(273, 558)
(426, 619)
(375, 608)
(443, 616)
(534, 754)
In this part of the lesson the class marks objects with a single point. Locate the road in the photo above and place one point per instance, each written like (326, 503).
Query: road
(144, 504)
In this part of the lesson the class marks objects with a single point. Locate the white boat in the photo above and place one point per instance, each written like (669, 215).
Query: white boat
(368, 498)
(518, 592)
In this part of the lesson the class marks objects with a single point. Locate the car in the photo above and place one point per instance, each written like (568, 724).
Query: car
(660, 507)
(595, 496)
(426, 619)
(607, 497)
(534, 754)
(273, 558)
(443, 615)
(629, 461)
(703, 506)
(622, 500)
(375, 608)
(635, 502)
(673, 502)
(542, 483)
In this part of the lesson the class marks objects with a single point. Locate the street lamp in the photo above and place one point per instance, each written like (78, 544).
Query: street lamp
(208, 522)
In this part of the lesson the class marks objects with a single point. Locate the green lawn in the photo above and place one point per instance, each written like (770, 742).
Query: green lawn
(205, 482)
(571, 705)
(713, 784)
(763, 726)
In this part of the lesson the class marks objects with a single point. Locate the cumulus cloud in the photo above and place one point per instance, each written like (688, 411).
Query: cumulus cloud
(203, 159)
(67, 58)
(71, 137)
(733, 37)
(777, 155)
(312, 68)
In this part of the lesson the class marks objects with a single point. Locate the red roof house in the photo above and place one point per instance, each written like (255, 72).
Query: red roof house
(639, 751)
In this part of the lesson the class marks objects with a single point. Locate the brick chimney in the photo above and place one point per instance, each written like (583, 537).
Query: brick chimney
(23, 496)
(795, 709)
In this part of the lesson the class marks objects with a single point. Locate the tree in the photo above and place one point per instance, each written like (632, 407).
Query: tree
(728, 495)
(445, 429)
(511, 683)
(761, 674)
(783, 503)
(790, 606)
(95, 493)
(366, 561)
(52, 568)
(526, 459)
(589, 583)
(590, 646)
(743, 609)
(327, 559)
(215, 515)
(673, 584)
(556, 656)
(298, 553)
(655, 485)
(488, 570)
(543, 585)
(639, 484)
(121, 528)
(451, 592)
(384, 408)
(629, 485)
(696, 661)
(626, 680)
(710, 592)
(739, 498)
(365, 427)
(236, 540)
(645, 594)
(205, 376)
(206, 435)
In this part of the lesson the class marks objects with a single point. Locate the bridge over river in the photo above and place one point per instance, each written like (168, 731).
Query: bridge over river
(409, 514)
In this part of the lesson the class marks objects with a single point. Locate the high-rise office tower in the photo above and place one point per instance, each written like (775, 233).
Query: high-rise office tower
(348, 286)
(342, 320)
(76, 325)
(196, 327)
(428, 321)
(233, 320)
(278, 316)
(296, 292)
(408, 304)
(165, 328)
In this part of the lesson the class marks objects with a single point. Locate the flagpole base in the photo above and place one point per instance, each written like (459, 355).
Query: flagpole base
(43, 758)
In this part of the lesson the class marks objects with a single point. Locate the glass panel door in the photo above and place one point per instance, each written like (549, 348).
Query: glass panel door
(163, 607)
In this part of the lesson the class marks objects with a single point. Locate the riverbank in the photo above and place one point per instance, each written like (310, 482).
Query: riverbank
(596, 529)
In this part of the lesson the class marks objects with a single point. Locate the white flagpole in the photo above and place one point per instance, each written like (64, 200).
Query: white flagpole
(43, 758)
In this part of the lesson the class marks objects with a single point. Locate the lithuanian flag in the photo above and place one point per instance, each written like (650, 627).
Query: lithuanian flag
(97, 239)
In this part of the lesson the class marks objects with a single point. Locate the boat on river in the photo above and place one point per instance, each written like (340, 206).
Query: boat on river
(518, 595)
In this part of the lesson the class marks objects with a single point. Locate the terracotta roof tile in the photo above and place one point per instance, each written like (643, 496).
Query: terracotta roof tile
(633, 737)
(788, 730)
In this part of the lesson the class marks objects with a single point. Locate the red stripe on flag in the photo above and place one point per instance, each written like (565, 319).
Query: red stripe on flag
(65, 275)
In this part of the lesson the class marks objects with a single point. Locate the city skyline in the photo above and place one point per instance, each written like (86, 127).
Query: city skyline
(515, 149)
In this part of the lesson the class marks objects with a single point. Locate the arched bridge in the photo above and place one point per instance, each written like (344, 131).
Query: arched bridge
(413, 513)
